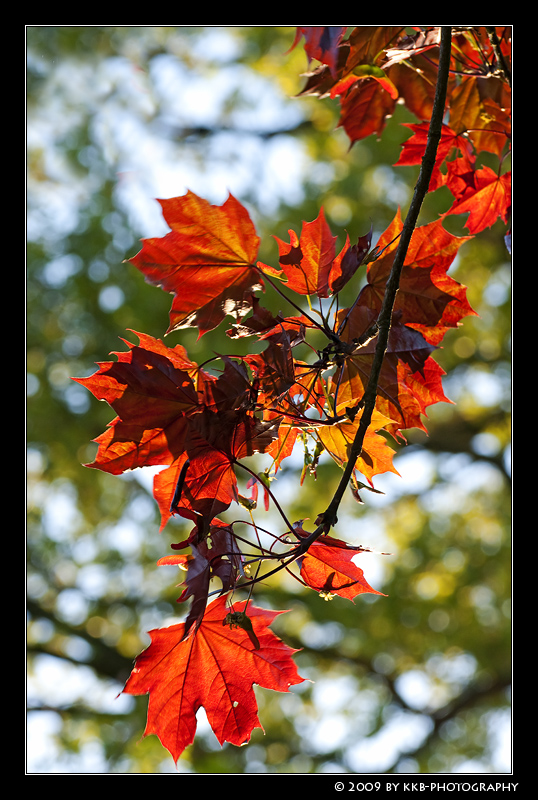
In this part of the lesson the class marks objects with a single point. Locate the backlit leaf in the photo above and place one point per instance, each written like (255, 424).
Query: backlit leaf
(329, 567)
(206, 261)
(214, 669)
(487, 198)
(428, 299)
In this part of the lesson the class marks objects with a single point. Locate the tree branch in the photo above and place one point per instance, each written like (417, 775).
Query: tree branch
(329, 517)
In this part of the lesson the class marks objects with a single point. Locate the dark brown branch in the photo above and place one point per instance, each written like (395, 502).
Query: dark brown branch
(329, 517)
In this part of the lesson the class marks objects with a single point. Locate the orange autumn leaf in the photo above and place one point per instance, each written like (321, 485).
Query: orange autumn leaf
(309, 263)
(376, 455)
(206, 261)
(428, 299)
(481, 117)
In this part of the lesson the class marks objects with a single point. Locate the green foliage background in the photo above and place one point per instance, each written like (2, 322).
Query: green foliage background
(415, 682)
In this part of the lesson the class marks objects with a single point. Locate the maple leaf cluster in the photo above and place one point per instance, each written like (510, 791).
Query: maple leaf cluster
(377, 67)
(204, 425)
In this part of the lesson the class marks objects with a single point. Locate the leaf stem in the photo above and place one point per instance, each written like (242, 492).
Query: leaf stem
(269, 492)
(324, 328)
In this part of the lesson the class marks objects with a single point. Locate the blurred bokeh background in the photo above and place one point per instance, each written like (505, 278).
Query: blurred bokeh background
(415, 682)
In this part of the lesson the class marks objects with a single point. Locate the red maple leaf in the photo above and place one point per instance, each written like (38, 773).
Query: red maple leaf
(409, 381)
(310, 263)
(163, 419)
(364, 109)
(484, 194)
(329, 568)
(413, 150)
(206, 261)
(214, 669)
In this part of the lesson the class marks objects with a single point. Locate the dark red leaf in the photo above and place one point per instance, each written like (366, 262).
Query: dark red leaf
(321, 42)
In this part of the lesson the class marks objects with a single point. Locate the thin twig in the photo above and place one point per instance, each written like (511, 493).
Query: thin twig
(323, 328)
(496, 45)
(269, 492)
